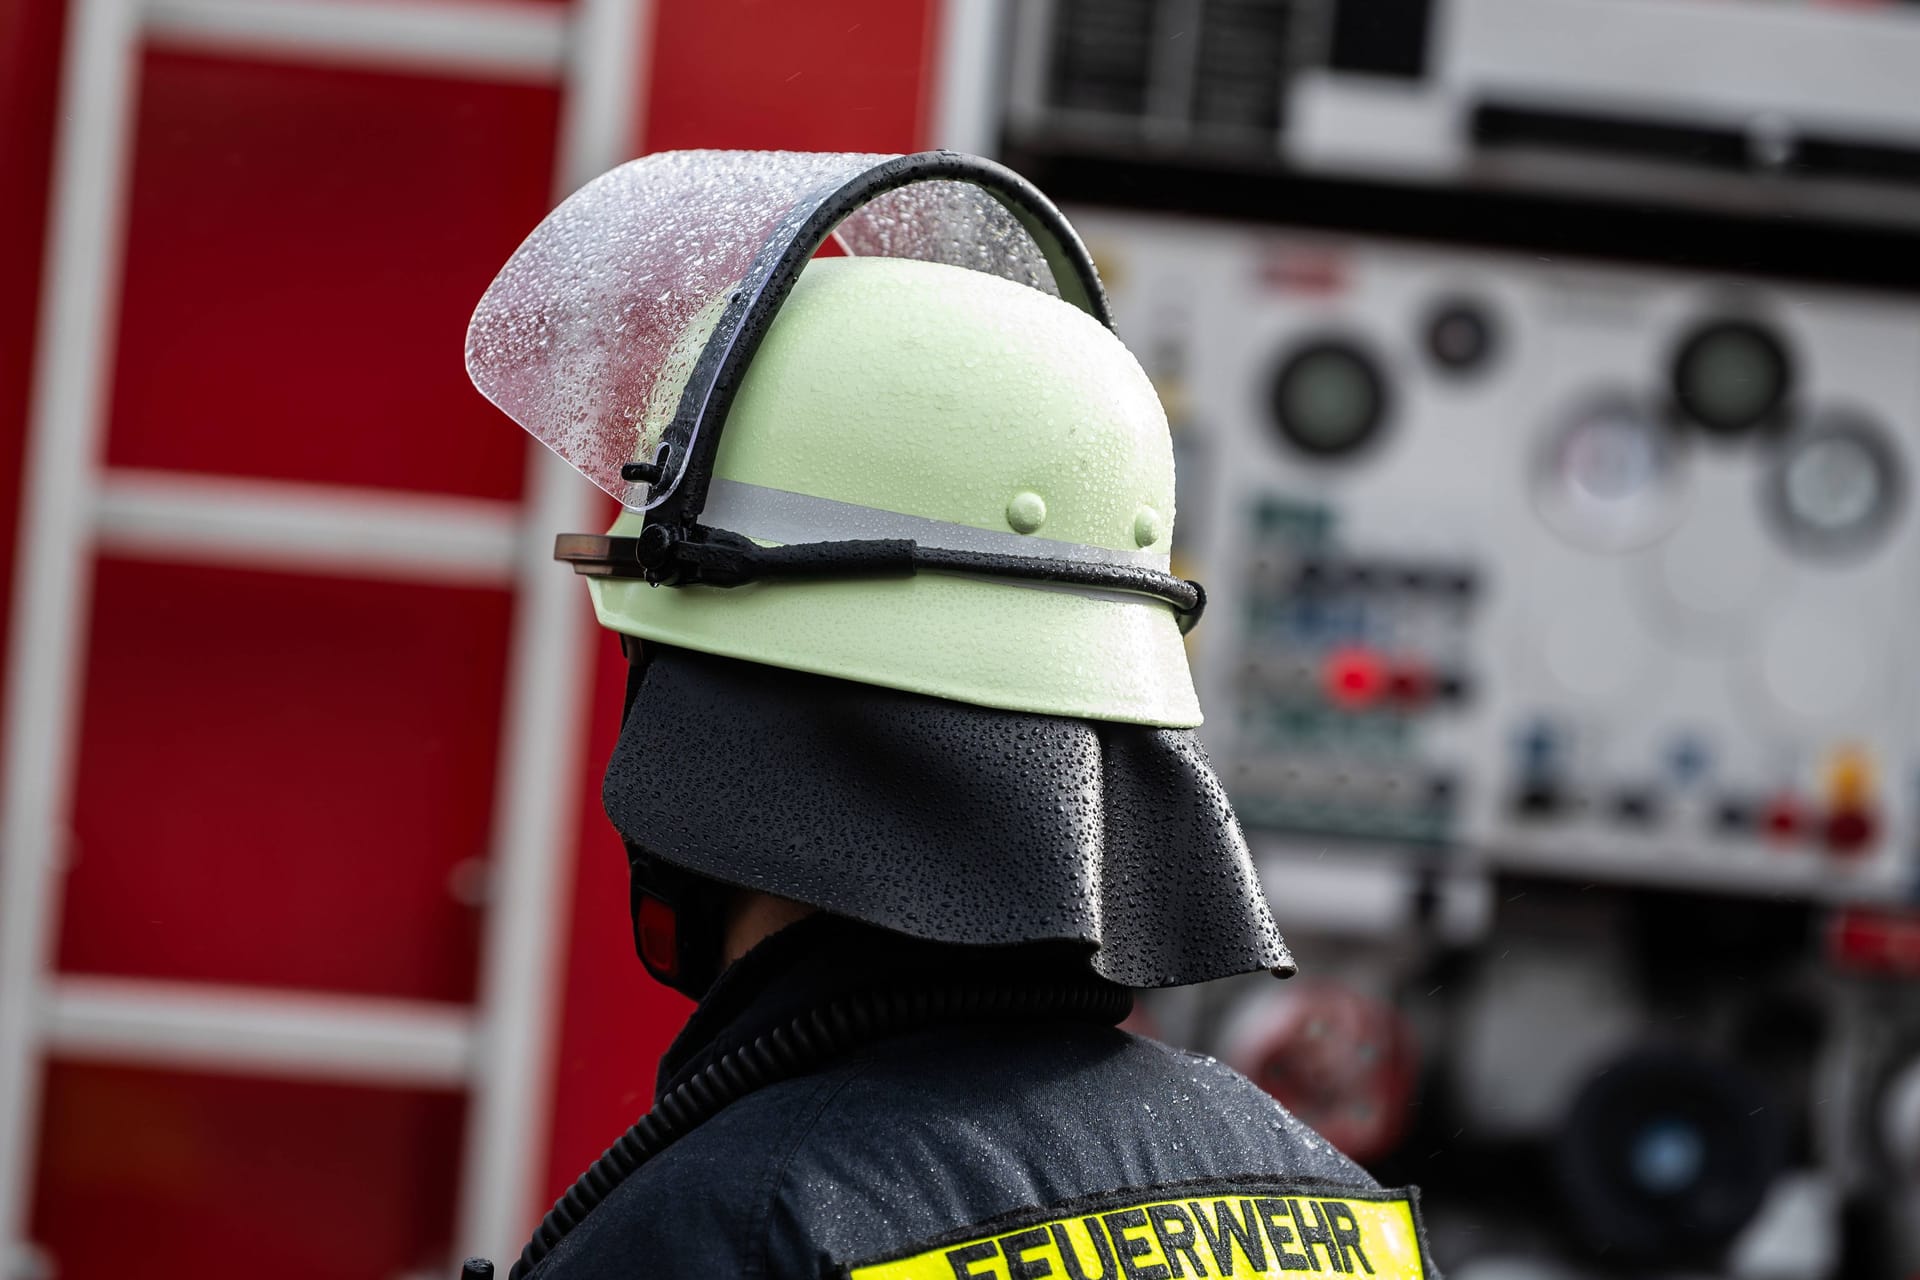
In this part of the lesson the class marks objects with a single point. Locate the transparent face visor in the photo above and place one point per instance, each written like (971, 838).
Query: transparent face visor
(599, 335)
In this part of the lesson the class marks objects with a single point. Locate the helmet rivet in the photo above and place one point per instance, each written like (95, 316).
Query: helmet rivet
(1026, 511)
(1147, 527)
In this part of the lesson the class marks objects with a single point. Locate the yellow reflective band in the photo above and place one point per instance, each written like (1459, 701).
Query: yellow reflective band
(1225, 1233)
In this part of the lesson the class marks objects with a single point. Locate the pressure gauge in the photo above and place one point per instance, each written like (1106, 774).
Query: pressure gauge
(1732, 375)
(1329, 398)
(1460, 336)
(1610, 477)
(1836, 488)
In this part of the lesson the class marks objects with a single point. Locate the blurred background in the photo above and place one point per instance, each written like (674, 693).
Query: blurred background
(1545, 378)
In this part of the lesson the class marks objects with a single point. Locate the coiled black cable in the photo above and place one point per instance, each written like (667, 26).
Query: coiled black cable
(792, 1048)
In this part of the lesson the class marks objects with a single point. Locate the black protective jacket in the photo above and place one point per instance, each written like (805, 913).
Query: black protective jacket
(1005, 1147)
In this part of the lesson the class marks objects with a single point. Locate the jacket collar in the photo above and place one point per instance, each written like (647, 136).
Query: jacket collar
(824, 957)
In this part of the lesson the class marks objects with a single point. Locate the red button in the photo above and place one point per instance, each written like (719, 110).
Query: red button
(1354, 677)
(1410, 684)
(1782, 818)
(1850, 830)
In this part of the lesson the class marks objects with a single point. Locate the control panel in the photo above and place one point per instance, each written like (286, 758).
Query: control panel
(1540, 564)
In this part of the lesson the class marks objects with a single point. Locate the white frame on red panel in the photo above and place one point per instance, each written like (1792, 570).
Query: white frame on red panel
(500, 1047)
(968, 95)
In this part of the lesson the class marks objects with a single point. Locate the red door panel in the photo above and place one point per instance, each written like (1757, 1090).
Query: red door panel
(279, 777)
(832, 75)
(304, 246)
(169, 1176)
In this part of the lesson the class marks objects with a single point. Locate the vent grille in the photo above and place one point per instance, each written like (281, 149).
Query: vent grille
(1102, 56)
(1246, 53)
(1173, 74)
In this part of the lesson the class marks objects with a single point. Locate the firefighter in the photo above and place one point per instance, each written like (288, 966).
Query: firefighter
(907, 774)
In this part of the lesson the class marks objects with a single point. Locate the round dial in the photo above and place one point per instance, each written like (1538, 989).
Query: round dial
(1610, 477)
(1836, 488)
(1329, 399)
(1460, 335)
(1732, 375)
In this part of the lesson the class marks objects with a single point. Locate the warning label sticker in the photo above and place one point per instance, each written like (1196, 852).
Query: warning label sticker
(1218, 1233)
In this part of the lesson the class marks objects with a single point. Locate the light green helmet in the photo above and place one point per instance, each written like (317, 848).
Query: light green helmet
(936, 393)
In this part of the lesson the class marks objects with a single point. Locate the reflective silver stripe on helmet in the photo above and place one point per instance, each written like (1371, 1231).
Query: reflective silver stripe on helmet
(777, 515)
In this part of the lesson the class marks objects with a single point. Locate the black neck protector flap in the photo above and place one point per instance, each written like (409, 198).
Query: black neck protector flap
(943, 820)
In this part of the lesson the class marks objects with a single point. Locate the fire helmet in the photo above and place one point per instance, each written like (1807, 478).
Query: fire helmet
(895, 534)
